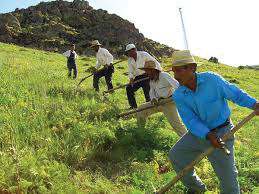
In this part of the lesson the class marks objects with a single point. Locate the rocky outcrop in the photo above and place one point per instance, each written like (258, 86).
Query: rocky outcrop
(55, 25)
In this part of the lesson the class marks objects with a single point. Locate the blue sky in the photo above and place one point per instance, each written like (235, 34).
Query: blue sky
(225, 29)
(10, 5)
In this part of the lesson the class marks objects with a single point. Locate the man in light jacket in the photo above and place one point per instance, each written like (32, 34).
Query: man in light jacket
(104, 59)
(137, 59)
(162, 85)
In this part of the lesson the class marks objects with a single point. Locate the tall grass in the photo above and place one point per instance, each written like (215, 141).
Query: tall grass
(57, 138)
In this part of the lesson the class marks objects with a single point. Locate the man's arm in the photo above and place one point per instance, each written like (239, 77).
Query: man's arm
(108, 57)
(195, 125)
(190, 119)
(66, 54)
(233, 93)
(97, 66)
(131, 70)
(76, 56)
(151, 91)
(170, 80)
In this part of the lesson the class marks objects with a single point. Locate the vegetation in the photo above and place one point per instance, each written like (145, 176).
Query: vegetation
(57, 138)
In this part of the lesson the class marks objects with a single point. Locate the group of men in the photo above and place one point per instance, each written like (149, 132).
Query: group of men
(199, 98)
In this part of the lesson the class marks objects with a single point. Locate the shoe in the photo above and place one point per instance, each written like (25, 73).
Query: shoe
(131, 108)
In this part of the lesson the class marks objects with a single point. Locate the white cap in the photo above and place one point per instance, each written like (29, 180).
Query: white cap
(129, 47)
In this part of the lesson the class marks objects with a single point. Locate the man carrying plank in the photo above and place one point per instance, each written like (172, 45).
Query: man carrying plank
(162, 85)
(201, 100)
(103, 58)
(137, 59)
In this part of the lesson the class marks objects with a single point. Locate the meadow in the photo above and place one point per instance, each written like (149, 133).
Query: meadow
(56, 137)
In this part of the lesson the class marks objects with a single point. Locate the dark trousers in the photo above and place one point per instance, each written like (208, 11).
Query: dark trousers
(72, 66)
(107, 73)
(131, 89)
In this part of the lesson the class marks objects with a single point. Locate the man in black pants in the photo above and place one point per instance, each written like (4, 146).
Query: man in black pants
(104, 58)
(138, 78)
(71, 61)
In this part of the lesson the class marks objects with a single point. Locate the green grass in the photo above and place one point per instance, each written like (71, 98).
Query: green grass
(56, 138)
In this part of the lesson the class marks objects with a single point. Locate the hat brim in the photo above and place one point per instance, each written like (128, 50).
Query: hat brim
(95, 45)
(143, 68)
(129, 50)
(167, 67)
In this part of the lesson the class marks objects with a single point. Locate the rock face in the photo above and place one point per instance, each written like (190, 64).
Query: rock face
(55, 25)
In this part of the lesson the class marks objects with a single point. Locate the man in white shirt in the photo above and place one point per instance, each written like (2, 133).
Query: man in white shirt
(137, 59)
(103, 58)
(162, 86)
(71, 61)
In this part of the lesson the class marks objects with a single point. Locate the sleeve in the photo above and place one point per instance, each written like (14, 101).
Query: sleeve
(151, 92)
(130, 68)
(233, 93)
(66, 54)
(173, 82)
(189, 118)
(108, 57)
(76, 56)
(98, 65)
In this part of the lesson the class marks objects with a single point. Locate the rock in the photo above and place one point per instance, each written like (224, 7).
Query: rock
(56, 24)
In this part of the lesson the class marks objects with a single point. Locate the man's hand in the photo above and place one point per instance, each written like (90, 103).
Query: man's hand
(214, 140)
(131, 81)
(154, 101)
(256, 108)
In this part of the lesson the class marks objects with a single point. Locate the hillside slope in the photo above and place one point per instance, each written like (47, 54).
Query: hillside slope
(55, 138)
(55, 25)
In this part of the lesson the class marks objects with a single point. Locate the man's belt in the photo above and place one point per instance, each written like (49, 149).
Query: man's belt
(226, 123)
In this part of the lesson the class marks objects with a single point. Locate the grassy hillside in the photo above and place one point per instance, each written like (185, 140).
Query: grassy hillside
(55, 138)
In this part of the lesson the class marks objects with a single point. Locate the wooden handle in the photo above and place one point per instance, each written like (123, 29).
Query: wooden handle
(166, 100)
(84, 79)
(122, 86)
(97, 71)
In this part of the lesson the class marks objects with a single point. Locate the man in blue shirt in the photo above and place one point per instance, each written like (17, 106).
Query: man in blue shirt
(201, 101)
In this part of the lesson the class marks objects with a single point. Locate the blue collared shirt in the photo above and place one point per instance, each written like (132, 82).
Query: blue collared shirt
(206, 107)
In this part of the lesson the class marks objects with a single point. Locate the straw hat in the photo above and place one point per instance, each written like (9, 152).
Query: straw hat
(95, 43)
(129, 47)
(151, 65)
(181, 58)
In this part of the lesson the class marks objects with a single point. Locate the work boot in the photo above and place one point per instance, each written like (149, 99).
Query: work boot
(131, 108)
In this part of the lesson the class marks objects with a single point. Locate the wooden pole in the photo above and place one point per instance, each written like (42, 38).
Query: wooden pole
(166, 100)
(203, 155)
(84, 79)
(124, 85)
(97, 71)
